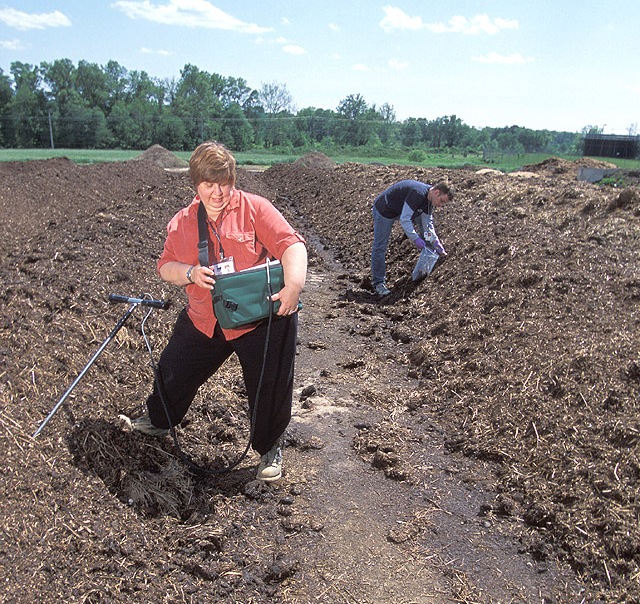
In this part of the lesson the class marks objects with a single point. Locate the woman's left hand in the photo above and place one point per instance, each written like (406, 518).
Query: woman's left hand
(289, 298)
(294, 264)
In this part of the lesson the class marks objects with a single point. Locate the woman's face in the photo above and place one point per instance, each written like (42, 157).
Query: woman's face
(214, 196)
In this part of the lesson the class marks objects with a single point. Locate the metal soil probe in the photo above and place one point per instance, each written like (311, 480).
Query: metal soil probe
(135, 302)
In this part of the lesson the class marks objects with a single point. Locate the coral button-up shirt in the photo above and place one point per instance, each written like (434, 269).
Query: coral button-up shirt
(250, 229)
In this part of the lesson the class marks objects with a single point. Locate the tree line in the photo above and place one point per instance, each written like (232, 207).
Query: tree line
(90, 106)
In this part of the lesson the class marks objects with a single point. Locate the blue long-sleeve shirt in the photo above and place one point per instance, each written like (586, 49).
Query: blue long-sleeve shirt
(407, 200)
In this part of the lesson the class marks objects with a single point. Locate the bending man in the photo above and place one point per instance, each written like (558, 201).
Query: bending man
(408, 201)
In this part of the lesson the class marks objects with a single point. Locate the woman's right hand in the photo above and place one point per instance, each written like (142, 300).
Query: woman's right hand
(176, 273)
(202, 276)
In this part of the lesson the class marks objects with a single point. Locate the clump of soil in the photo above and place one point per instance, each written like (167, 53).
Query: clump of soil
(472, 437)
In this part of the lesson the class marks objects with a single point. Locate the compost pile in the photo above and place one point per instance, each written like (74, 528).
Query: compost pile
(512, 373)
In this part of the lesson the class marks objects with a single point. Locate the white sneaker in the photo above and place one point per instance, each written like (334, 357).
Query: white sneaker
(143, 424)
(270, 467)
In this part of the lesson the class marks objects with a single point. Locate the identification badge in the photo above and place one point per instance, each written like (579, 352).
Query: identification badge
(224, 267)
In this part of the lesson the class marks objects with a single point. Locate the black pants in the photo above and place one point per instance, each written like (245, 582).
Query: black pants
(191, 358)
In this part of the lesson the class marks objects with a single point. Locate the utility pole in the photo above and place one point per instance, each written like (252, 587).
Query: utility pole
(50, 130)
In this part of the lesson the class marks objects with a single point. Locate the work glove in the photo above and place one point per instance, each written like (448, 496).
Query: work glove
(420, 243)
(439, 247)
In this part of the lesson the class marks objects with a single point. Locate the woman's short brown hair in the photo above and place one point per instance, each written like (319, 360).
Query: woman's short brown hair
(212, 162)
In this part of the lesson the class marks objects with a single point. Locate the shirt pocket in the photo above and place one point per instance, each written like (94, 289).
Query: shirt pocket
(242, 246)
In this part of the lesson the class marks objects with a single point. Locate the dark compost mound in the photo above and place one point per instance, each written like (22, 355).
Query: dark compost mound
(523, 347)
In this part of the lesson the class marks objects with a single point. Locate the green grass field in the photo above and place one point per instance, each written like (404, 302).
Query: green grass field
(264, 158)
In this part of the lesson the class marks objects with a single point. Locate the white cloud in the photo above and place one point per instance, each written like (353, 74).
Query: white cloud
(150, 51)
(188, 13)
(495, 58)
(360, 67)
(12, 45)
(479, 24)
(289, 47)
(24, 21)
(397, 64)
(284, 43)
(285, 21)
(396, 19)
(334, 27)
(293, 49)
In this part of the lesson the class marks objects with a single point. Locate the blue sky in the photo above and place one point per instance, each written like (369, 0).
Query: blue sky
(556, 65)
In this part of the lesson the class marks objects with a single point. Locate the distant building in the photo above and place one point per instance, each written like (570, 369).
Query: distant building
(611, 145)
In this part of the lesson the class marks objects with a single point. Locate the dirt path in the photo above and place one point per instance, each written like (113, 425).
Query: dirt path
(354, 561)
(425, 539)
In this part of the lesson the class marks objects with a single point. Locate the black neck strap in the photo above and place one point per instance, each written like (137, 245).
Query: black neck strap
(203, 236)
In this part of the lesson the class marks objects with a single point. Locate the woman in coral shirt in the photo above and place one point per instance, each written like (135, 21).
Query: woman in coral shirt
(249, 229)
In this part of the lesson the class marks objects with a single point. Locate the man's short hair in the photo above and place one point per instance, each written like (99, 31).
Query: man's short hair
(444, 187)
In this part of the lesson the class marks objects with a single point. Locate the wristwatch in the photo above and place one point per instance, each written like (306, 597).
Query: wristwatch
(189, 274)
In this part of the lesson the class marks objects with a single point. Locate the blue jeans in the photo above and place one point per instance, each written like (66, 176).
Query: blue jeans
(381, 232)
